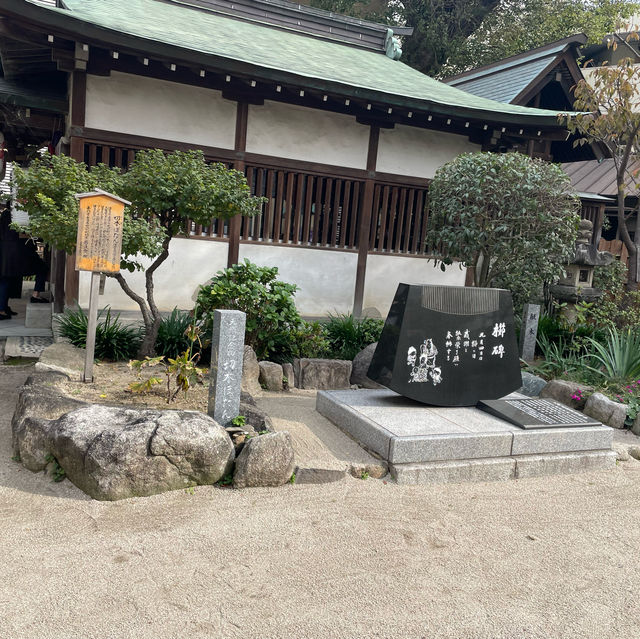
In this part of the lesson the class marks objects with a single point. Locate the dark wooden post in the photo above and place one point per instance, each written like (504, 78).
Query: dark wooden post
(366, 211)
(235, 223)
(78, 109)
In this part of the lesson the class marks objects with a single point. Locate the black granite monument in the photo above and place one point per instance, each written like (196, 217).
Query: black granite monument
(448, 345)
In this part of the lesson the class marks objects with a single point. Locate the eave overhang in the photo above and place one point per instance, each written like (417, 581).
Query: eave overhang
(78, 30)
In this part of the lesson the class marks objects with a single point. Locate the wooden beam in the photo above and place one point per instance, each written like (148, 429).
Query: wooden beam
(128, 141)
(365, 221)
(235, 223)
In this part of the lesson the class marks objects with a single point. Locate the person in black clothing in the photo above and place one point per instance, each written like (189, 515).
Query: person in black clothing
(18, 257)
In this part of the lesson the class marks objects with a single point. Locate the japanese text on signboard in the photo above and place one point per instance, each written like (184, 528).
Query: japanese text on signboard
(99, 244)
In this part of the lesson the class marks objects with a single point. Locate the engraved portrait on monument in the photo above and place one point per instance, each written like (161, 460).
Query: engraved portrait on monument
(448, 345)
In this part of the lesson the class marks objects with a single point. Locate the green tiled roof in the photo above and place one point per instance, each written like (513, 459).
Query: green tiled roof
(198, 35)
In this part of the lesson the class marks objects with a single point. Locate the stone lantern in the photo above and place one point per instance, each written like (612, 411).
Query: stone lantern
(577, 284)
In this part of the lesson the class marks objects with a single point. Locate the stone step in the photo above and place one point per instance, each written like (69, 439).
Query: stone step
(26, 346)
(503, 468)
(427, 444)
(38, 316)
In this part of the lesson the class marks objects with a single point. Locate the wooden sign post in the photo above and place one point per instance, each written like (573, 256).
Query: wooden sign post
(98, 250)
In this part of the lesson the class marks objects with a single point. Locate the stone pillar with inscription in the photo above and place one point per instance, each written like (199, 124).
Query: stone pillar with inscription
(227, 351)
(529, 331)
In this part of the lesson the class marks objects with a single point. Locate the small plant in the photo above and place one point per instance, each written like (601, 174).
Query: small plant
(183, 369)
(619, 356)
(16, 458)
(57, 471)
(292, 479)
(307, 339)
(631, 397)
(114, 340)
(364, 475)
(347, 335)
(227, 480)
(172, 339)
(577, 396)
(191, 488)
(239, 421)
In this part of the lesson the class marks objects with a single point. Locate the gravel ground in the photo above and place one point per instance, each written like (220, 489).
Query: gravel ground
(538, 558)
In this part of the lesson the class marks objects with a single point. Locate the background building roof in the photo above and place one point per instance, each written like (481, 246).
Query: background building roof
(508, 79)
(599, 177)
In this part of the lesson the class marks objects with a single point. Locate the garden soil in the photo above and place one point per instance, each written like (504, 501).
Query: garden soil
(555, 557)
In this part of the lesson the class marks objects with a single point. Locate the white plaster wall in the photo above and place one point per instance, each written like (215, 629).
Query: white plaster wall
(155, 108)
(406, 150)
(385, 272)
(326, 279)
(300, 133)
(190, 264)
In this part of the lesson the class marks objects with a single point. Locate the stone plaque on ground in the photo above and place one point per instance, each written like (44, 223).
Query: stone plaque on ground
(448, 345)
(227, 352)
(536, 413)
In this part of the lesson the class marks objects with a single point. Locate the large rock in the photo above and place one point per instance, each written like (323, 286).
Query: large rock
(289, 375)
(52, 379)
(250, 372)
(563, 391)
(532, 385)
(322, 374)
(267, 460)
(606, 410)
(256, 418)
(360, 367)
(39, 404)
(64, 358)
(271, 376)
(113, 453)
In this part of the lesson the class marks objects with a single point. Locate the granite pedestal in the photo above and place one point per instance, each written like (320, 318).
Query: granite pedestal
(428, 444)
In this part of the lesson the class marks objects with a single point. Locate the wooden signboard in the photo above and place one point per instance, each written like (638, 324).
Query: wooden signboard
(99, 244)
(98, 249)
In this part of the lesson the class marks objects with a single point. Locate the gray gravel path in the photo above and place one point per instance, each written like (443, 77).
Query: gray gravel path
(544, 558)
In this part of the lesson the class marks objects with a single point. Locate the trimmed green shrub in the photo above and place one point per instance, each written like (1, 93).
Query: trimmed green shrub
(114, 340)
(255, 290)
(308, 339)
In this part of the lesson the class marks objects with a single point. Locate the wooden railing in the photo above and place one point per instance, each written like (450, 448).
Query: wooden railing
(310, 209)
(302, 209)
(399, 220)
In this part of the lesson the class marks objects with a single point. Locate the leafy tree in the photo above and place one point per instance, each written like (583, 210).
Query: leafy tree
(440, 26)
(511, 218)
(610, 103)
(515, 26)
(165, 191)
(453, 36)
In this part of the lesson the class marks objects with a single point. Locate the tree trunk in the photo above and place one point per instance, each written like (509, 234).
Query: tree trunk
(632, 248)
(150, 313)
(148, 344)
